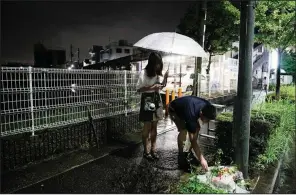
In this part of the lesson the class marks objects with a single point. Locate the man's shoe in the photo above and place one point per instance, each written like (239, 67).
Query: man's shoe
(154, 156)
(148, 156)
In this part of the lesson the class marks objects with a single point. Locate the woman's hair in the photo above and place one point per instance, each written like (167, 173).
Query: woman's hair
(153, 60)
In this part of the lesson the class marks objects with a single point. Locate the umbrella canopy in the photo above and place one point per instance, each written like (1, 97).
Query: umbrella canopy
(171, 42)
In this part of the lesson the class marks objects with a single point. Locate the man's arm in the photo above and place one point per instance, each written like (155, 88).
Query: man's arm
(194, 144)
(196, 149)
(155, 87)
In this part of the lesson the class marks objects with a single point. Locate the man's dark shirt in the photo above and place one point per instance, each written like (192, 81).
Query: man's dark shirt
(188, 109)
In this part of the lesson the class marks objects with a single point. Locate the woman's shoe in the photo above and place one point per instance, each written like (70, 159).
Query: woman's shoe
(154, 155)
(148, 156)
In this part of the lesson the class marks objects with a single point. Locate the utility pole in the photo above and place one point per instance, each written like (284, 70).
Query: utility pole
(203, 23)
(201, 10)
(78, 57)
(242, 109)
(71, 54)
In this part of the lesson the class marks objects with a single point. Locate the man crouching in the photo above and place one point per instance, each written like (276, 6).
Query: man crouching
(187, 112)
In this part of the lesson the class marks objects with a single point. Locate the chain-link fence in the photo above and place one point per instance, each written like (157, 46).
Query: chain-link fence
(35, 98)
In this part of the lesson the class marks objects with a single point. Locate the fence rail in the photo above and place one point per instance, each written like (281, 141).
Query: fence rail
(35, 98)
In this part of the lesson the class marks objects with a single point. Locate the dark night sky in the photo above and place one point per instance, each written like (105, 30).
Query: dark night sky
(58, 24)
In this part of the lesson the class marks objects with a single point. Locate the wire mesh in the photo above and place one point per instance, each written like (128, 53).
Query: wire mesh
(37, 98)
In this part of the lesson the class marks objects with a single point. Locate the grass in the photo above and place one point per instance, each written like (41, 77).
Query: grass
(281, 136)
(194, 186)
(286, 92)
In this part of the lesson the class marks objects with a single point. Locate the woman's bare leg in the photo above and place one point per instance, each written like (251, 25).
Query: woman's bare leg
(146, 137)
(153, 135)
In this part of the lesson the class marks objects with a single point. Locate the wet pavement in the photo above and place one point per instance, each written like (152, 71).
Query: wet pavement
(14, 180)
(122, 172)
(106, 171)
(259, 97)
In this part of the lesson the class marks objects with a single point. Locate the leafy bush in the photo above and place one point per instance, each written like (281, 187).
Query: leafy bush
(287, 92)
(262, 123)
(281, 135)
(224, 135)
(272, 116)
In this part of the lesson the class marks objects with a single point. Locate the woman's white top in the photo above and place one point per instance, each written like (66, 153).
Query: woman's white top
(145, 81)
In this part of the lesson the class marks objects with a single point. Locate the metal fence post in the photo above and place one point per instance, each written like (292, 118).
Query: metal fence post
(209, 85)
(31, 100)
(125, 93)
(45, 99)
(198, 85)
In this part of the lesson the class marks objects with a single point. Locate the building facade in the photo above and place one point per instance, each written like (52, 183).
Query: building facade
(117, 50)
(48, 58)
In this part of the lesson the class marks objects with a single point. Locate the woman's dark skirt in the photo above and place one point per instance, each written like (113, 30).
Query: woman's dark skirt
(148, 116)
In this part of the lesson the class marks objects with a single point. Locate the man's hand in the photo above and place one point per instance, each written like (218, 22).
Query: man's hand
(196, 149)
(204, 163)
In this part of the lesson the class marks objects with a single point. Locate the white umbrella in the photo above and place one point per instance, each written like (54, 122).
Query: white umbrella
(171, 42)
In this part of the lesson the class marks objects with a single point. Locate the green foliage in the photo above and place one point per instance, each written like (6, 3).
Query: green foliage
(224, 135)
(222, 26)
(262, 123)
(271, 116)
(271, 87)
(287, 93)
(289, 62)
(194, 186)
(281, 136)
(275, 21)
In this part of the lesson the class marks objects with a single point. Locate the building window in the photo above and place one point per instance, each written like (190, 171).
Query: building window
(126, 50)
(118, 50)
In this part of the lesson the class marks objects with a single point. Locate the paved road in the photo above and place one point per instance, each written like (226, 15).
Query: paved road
(259, 97)
(123, 172)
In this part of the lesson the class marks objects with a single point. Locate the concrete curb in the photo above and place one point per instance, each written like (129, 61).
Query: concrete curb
(265, 184)
(80, 165)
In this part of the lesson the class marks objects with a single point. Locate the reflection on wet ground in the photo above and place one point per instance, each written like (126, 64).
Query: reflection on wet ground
(122, 172)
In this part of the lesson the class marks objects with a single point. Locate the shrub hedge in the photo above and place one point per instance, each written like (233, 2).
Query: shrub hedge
(262, 123)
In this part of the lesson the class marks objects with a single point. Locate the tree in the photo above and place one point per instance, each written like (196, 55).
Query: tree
(289, 63)
(222, 27)
(275, 20)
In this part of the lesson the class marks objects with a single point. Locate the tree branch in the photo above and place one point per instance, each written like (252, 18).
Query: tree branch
(285, 45)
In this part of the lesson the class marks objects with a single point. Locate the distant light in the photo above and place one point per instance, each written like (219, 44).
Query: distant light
(72, 66)
(21, 67)
(69, 68)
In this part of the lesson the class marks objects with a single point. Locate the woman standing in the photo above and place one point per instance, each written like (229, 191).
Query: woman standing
(151, 104)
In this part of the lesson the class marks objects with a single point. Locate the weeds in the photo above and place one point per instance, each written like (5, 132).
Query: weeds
(287, 92)
(280, 136)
